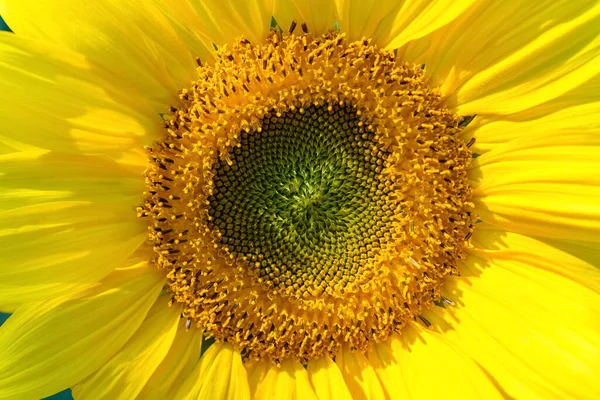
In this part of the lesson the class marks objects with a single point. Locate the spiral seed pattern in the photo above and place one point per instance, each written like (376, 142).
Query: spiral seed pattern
(303, 201)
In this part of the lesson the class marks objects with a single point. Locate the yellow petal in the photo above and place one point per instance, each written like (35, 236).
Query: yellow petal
(126, 373)
(256, 373)
(504, 57)
(215, 22)
(542, 186)
(8, 145)
(390, 375)
(52, 249)
(66, 106)
(359, 375)
(34, 177)
(287, 382)
(574, 261)
(393, 23)
(250, 18)
(133, 41)
(492, 132)
(176, 366)
(424, 356)
(576, 111)
(534, 331)
(319, 15)
(48, 346)
(327, 380)
(219, 374)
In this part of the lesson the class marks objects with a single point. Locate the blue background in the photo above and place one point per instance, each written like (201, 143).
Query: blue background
(65, 395)
(3, 26)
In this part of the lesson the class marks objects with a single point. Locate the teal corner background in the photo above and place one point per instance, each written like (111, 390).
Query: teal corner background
(64, 395)
(3, 26)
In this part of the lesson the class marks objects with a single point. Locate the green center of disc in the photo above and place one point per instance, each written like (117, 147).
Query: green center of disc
(303, 200)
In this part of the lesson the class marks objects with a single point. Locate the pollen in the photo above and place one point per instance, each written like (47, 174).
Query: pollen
(308, 193)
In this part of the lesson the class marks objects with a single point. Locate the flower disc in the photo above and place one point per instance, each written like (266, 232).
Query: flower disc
(303, 200)
(309, 194)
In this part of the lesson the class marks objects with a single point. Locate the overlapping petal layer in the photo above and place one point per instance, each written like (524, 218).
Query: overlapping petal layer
(393, 23)
(545, 184)
(573, 112)
(287, 382)
(359, 375)
(327, 380)
(410, 363)
(66, 105)
(48, 346)
(504, 57)
(132, 44)
(219, 374)
(176, 366)
(67, 220)
(528, 314)
(318, 15)
(127, 372)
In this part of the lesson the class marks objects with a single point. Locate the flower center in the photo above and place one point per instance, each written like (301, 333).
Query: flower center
(308, 194)
(303, 200)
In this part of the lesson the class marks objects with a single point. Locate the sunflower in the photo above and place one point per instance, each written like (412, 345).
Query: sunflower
(300, 199)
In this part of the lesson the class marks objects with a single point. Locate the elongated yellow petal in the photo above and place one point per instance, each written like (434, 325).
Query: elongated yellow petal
(492, 132)
(126, 373)
(572, 260)
(287, 382)
(34, 177)
(132, 41)
(8, 145)
(256, 373)
(360, 18)
(575, 111)
(359, 375)
(176, 366)
(586, 252)
(542, 186)
(48, 346)
(52, 249)
(327, 380)
(319, 15)
(504, 57)
(533, 330)
(424, 356)
(251, 18)
(219, 374)
(214, 22)
(392, 380)
(54, 100)
(393, 23)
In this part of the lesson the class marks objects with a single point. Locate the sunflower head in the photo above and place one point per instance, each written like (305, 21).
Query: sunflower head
(335, 199)
(309, 193)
